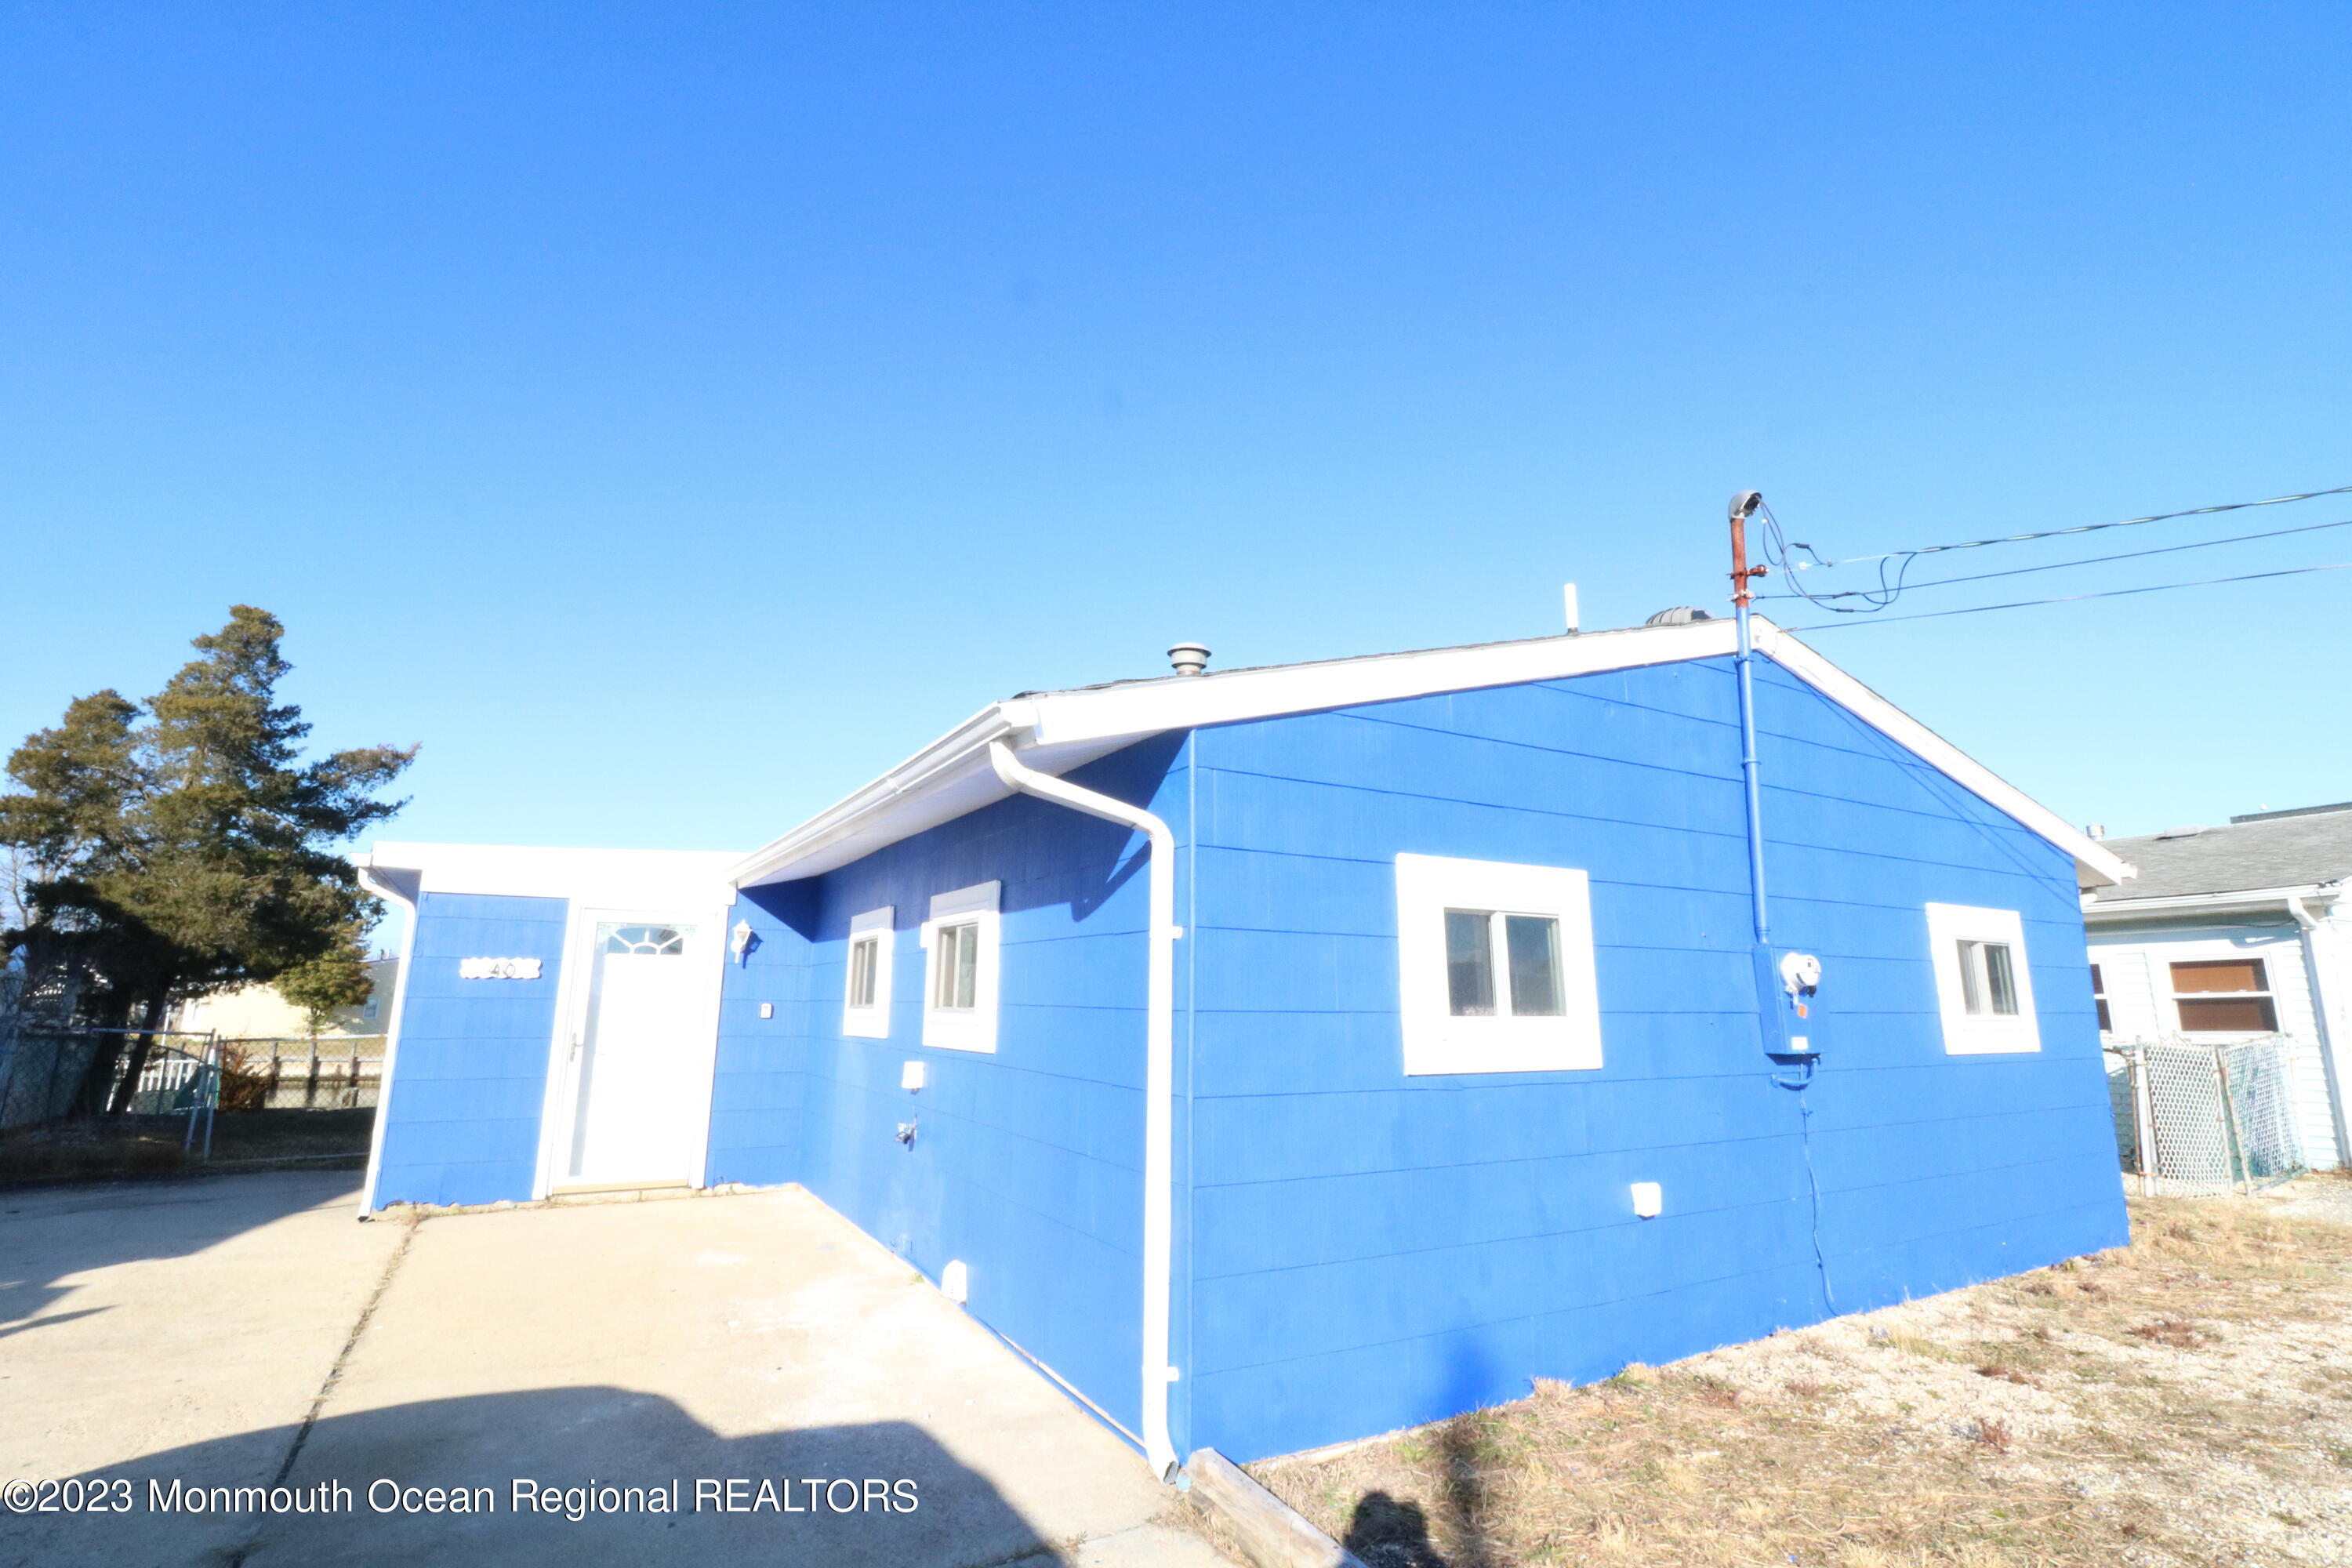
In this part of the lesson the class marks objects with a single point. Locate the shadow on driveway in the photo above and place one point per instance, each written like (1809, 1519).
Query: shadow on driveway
(884, 1492)
(48, 1235)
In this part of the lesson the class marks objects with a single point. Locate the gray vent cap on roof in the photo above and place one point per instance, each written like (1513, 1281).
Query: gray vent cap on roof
(1681, 615)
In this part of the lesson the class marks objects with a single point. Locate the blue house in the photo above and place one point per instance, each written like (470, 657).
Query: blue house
(1281, 1055)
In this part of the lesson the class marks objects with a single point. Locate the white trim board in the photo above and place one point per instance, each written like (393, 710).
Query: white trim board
(1056, 731)
(961, 1030)
(1436, 1040)
(1984, 1033)
(2097, 911)
(400, 888)
(625, 877)
(870, 1022)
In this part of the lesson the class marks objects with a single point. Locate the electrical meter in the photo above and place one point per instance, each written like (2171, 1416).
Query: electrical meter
(1800, 977)
(1788, 986)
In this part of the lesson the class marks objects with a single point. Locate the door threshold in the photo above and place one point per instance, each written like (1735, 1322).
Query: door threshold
(590, 1189)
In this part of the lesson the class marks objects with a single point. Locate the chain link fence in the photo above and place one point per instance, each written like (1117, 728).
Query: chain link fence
(46, 1077)
(42, 1073)
(296, 1073)
(2195, 1120)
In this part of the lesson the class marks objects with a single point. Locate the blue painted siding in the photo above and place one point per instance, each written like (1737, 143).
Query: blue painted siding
(1027, 1162)
(461, 1122)
(1368, 1250)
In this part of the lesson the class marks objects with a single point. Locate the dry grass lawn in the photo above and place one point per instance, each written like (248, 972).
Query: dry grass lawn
(2186, 1400)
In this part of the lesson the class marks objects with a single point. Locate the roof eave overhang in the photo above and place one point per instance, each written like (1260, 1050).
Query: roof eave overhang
(1058, 732)
(2097, 911)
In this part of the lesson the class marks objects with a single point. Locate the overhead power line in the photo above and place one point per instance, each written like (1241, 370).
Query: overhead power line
(2080, 528)
(1895, 566)
(2075, 598)
(2062, 565)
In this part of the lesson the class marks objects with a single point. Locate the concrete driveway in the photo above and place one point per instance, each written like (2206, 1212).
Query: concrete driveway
(797, 1392)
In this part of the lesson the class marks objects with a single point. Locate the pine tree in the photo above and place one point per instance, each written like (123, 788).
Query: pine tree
(191, 849)
(324, 985)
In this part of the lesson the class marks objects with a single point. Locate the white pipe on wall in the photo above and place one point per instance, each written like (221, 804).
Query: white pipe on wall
(382, 890)
(2319, 956)
(1158, 1081)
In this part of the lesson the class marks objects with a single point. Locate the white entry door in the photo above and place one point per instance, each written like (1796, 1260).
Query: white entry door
(640, 1070)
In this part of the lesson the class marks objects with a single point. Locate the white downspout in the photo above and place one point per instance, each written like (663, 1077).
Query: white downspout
(1158, 1081)
(2315, 962)
(391, 1034)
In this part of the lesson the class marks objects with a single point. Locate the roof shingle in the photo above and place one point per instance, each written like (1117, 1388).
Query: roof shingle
(2279, 851)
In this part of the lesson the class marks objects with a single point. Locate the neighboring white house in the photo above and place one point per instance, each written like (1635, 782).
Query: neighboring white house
(259, 1013)
(2232, 933)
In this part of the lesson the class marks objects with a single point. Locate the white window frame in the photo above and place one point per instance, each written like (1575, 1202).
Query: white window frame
(1436, 1041)
(1980, 1034)
(869, 1022)
(2269, 993)
(962, 1028)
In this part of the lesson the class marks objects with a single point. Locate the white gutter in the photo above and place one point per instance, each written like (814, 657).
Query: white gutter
(391, 1035)
(1158, 1081)
(2095, 907)
(989, 725)
(2318, 963)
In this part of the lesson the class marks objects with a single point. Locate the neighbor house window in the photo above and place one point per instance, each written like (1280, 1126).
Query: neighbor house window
(2230, 995)
(959, 941)
(1495, 967)
(2099, 1000)
(1983, 991)
(866, 994)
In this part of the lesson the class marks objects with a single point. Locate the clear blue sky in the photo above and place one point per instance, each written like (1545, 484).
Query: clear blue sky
(672, 415)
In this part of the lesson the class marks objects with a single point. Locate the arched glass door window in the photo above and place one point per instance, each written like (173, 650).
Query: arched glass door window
(663, 942)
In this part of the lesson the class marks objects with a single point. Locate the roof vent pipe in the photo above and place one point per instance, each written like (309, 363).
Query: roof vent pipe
(1188, 657)
(1568, 593)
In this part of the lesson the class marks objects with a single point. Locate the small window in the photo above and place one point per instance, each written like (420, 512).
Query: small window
(651, 941)
(1984, 987)
(1530, 946)
(1987, 980)
(2099, 1000)
(864, 953)
(1495, 967)
(865, 989)
(957, 973)
(2224, 996)
(959, 987)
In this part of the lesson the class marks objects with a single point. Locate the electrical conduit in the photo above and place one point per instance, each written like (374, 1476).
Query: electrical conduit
(1159, 1080)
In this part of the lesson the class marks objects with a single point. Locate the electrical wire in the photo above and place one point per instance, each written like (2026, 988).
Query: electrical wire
(2076, 598)
(2061, 565)
(1895, 566)
(1813, 1176)
(2081, 528)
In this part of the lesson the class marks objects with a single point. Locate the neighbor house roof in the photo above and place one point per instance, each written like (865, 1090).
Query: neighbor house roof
(2270, 850)
(1055, 731)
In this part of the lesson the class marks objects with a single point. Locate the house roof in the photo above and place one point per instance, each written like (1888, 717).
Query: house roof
(1055, 731)
(2269, 850)
(619, 877)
